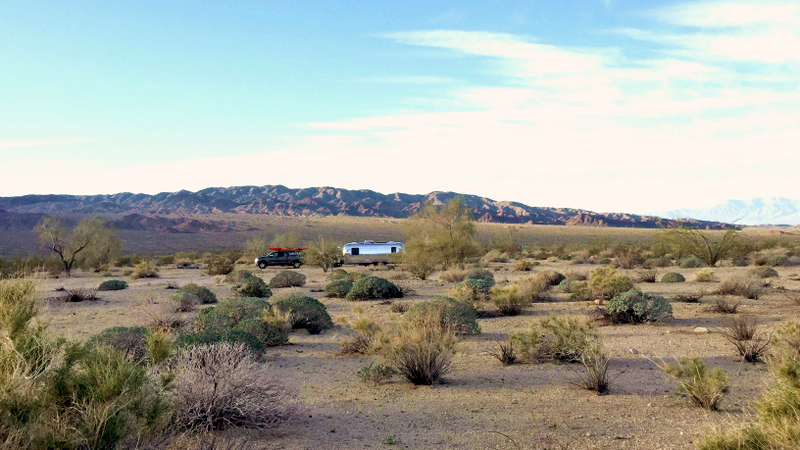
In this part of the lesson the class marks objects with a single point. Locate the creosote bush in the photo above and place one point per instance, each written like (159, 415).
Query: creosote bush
(509, 300)
(203, 293)
(764, 272)
(338, 288)
(704, 276)
(672, 277)
(481, 274)
(145, 269)
(181, 302)
(248, 285)
(372, 288)
(112, 285)
(453, 275)
(637, 307)
(305, 312)
(219, 264)
(287, 278)
(704, 387)
(238, 320)
(221, 386)
(605, 283)
(129, 341)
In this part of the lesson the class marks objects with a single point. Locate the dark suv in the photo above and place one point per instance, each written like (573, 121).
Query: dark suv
(282, 257)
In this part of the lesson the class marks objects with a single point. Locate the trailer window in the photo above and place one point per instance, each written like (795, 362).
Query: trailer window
(394, 249)
(354, 251)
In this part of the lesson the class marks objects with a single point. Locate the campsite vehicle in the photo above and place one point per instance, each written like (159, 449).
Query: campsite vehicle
(370, 252)
(282, 256)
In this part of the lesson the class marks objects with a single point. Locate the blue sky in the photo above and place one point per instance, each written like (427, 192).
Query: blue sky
(606, 105)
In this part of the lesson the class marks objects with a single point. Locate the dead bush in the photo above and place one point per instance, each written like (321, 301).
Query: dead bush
(749, 288)
(420, 348)
(725, 305)
(79, 295)
(221, 386)
(743, 333)
(646, 276)
(503, 352)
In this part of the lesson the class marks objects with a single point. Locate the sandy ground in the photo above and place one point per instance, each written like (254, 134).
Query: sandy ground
(480, 404)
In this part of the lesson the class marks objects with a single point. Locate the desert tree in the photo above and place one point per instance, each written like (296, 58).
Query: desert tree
(322, 253)
(91, 242)
(442, 236)
(710, 247)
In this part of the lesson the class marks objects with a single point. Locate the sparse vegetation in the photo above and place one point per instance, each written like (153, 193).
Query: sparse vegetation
(372, 288)
(709, 247)
(453, 315)
(203, 293)
(704, 387)
(637, 307)
(742, 332)
(112, 285)
(287, 278)
(605, 283)
(559, 337)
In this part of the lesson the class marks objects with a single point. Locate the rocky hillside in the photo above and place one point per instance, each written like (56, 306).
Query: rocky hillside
(143, 211)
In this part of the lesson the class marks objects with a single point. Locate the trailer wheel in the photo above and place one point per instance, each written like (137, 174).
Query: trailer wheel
(296, 264)
(262, 264)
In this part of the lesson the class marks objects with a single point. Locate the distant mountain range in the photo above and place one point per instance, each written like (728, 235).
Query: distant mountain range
(758, 211)
(141, 211)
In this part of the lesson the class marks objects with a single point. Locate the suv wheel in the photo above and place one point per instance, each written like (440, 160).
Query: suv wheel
(296, 264)
(262, 264)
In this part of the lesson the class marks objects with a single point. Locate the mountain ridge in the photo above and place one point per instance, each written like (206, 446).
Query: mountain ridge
(325, 200)
(756, 211)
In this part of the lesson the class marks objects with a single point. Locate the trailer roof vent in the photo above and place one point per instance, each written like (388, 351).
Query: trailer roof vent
(369, 242)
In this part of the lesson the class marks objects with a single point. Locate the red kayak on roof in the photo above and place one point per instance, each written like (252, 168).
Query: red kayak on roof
(287, 249)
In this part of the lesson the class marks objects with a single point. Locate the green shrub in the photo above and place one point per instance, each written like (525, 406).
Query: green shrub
(457, 316)
(509, 300)
(253, 287)
(341, 274)
(112, 285)
(287, 278)
(764, 272)
(369, 287)
(672, 277)
(703, 387)
(552, 277)
(560, 338)
(605, 283)
(375, 373)
(181, 302)
(338, 288)
(203, 293)
(236, 320)
(778, 261)
(478, 285)
(453, 275)
(145, 269)
(691, 263)
(637, 307)
(481, 274)
(306, 312)
(129, 341)
(534, 288)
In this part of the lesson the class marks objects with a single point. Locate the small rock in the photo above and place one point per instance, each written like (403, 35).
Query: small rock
(700, 330)
(633, 351)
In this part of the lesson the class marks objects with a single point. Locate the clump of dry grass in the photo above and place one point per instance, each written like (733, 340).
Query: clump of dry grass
(504, 352)
(646, 276)
(79, 295)
(704, 387)
(704, 276)
(749, 287)
(725, 305)
(145, 269)
(595, 362)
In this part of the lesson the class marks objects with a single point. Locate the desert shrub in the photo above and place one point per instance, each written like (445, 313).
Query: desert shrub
(595, 363)
(221, 386)
(453, 275)
(219, 264)
(221, 323)
(725, 305)
(743, 333)
(691, 263)
(764, 272)
(704, 276)
(338, 288)
(478, 285)
(704, 387)
(505, 352)
(553, 278)
(419, 348)
(287, 278)
(560, 338)
(786, 341)
(778, 261)
(145, 269)
(112, 285)
(747, 287)
(464, 293)
(341, 274)
(646, 276)
(691, 297)
(369, 287)
(252, 287)
(375, 373)
(181, 302)
(637, 307)
(79, 295)
(509, 300)
(709, 247)
(672, 277)
(605, 283)
(524, 265)
(654, 263)
(453, 315)
(158, 344)
(534, 288)
(203, 293)
(306, 312)
(480, 274)
(129, 341)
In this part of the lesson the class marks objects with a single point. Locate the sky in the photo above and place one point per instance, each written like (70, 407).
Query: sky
(605, 105)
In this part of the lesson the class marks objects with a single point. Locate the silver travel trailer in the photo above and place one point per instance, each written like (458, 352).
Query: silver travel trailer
(370, 252)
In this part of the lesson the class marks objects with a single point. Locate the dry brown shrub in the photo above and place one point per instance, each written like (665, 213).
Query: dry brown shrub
(222, 386)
